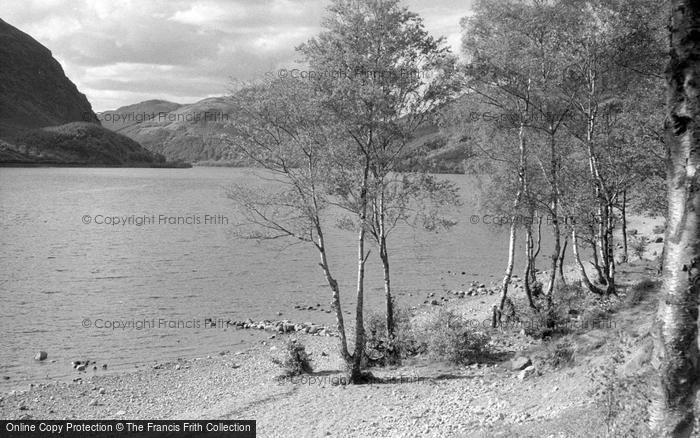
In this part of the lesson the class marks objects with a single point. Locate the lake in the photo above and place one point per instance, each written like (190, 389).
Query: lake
(188, 264)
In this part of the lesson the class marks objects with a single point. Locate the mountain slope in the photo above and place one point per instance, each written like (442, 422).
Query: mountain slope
(44, 119)
(179, 132)
(34, 91)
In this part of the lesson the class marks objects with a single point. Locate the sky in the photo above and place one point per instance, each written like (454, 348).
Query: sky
(127, 51)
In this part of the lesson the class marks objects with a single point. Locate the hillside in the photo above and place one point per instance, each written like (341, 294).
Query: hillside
(178, 132)
(46, 120)
(78, 143)
(191, 133)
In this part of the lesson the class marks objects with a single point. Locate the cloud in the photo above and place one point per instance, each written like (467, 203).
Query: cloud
(119, 53)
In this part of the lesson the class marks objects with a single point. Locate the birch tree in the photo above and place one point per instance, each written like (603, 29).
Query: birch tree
(380, 73)
(676, 330)
(279, 126)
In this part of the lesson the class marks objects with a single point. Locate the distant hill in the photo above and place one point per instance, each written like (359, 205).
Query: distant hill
(179, 132)
(190, 133)
(45, 119)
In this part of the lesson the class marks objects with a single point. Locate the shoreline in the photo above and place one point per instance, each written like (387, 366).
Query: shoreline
(261, 330)
(418, 397)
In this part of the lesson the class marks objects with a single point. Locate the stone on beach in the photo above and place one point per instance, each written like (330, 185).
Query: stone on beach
(520, 363)
(41, 355)
(527, 372)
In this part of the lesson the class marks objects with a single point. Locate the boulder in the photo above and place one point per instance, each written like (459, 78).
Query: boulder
(527, 372)
(520, 363)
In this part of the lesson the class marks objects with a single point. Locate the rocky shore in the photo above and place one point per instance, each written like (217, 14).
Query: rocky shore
(515, 395)
(284, 326)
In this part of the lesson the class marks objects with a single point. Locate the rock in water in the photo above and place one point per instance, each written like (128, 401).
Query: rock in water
(41, 355)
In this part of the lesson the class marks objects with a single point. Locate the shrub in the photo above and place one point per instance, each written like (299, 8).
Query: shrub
(639, 246)
(447, 335)
(295, 360)
(569, 301)
(380, 350)
(546, 322)
(622, 400)
(559, 354)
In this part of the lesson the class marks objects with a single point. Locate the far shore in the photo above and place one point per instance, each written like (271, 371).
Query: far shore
(167, 165)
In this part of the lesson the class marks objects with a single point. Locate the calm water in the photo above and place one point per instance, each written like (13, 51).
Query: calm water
(58, 271)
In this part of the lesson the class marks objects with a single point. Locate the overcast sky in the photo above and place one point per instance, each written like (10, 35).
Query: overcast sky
(123, 52)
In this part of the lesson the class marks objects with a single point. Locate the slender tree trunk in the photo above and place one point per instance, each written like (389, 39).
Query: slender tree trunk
(508, 275)
(603, 243)
(528, 263)
(556, 234)
(675, 328)
(562, 254)
(533, 269)
(356, 370)
(584, 277)
(335, 303)
(384, 255)
(596, 262)
(610, 226)
(625, 254)
(332, 282)
(513, 223)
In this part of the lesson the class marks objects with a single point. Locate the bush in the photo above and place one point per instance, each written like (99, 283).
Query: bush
(546, 322)
(622, 400)
(559, 354)
(570, 302)
(639, 246)
(295, 360)
(382, 351)
(446, 335)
